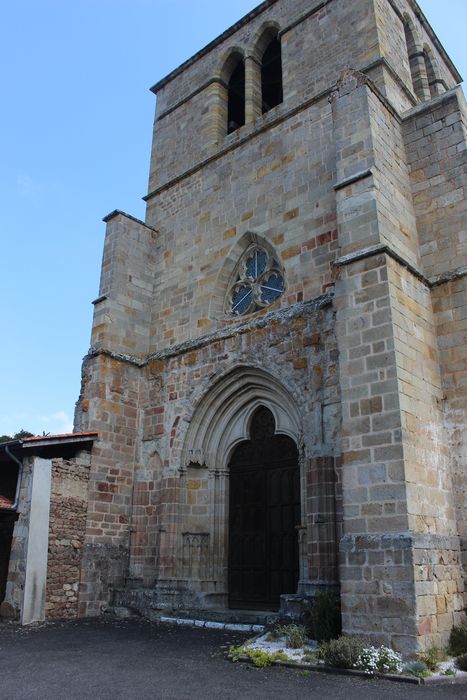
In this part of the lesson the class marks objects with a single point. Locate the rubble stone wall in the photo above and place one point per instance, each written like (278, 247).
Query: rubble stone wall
(109, 401)
(67, 525)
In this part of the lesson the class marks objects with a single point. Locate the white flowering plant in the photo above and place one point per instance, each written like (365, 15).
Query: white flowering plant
(367, 660)
(389, 661)
(383, 660)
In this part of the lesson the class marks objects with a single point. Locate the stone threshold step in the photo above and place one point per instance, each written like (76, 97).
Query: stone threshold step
(232, 620)
(225, 615)
(210, 624)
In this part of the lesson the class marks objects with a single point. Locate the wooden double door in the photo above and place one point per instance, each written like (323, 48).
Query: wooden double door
(264, 511)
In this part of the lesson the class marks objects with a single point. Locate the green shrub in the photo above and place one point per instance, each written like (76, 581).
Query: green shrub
(433, 657)
(449, 672)
(461, 662)
(324, 617)
(295, 635)
(416, 668)
(342, 652)
(310, 657)
(458, 640)
(235, 653)
(258, 658)
(273, 635)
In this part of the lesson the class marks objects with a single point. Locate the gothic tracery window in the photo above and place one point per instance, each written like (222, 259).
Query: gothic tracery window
(259, 282)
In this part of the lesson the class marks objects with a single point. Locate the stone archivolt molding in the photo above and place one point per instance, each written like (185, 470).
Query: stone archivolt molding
(222, 418)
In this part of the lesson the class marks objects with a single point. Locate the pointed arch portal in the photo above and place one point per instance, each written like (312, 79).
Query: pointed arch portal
(244, 436)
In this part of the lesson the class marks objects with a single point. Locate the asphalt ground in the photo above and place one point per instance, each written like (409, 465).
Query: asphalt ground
(108, 658)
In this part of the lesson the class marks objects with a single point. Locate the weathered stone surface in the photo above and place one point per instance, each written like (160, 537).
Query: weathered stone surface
(352, 184)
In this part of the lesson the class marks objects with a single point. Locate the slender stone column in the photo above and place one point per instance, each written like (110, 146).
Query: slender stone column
(215, 126)
(419, 76)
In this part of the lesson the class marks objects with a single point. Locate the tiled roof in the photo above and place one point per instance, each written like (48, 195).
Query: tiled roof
(5, 502)
(61, 436)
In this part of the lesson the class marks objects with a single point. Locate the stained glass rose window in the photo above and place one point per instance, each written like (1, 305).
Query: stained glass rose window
(259, 282)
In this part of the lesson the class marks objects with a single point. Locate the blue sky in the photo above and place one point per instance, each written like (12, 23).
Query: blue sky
(75, 131)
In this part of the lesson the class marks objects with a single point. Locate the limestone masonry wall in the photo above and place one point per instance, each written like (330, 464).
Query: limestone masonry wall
(396, 217)
(354, 185)
(449, 304)
(435, 145)
(284, 196)
(310, 67)
(427, 464)
(390, 18)
(126, 287)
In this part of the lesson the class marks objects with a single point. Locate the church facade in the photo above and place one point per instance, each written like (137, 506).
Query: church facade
(277, 371)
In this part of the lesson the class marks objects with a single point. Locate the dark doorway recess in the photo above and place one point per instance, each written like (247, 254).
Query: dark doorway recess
(8, 481)
(7, 523)
(264, 510)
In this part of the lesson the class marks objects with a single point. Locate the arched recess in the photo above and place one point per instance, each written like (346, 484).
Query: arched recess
(222, 418)
(416, 59)
(434, 83)
(233, 77)
(227, 274)
(268, 53)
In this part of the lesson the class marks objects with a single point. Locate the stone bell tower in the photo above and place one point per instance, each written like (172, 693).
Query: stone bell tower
(277, 370)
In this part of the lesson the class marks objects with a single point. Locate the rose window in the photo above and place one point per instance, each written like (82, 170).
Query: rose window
(259, 283)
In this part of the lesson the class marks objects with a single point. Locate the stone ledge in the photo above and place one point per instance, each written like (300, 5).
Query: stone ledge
(299, 310)
(412, 680)
(384, 249)
(340, 671)
(445, 277)
(118, 212)
(354, 178)
(379, 249)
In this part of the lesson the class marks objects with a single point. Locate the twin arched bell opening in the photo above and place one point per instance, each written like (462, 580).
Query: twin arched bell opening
(270, 83)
